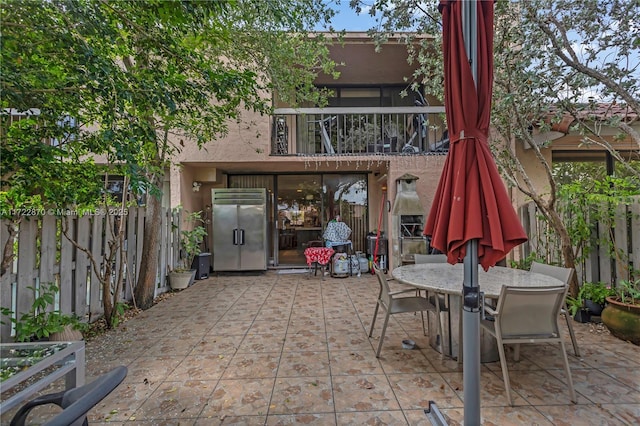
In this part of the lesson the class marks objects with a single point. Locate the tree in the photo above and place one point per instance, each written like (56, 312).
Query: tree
(551, 59)
(565, 53)
(140, 79)
(226, 55)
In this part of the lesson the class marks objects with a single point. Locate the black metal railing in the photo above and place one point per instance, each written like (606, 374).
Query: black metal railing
(359, 131)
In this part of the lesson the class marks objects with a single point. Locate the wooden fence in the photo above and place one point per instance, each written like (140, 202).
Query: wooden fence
(44, 255)
(599, 265)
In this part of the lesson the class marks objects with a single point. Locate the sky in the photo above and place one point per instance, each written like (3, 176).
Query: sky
(347, 19)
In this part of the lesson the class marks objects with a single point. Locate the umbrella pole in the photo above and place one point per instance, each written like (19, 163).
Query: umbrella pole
(471, 289)
(471, 336)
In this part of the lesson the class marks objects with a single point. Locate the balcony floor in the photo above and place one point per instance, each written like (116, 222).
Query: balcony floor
(269, 348)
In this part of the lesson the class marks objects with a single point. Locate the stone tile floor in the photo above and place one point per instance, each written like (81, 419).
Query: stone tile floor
(277, 349)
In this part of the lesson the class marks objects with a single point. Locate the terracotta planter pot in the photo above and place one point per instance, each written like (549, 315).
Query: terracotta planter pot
(68, 334)
(622, 319)
(181, 280)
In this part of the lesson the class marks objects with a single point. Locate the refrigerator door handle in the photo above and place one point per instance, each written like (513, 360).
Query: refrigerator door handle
(235, 237)
(242, 237)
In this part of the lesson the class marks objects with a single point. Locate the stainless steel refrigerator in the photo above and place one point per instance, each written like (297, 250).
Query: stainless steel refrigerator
(239, 222)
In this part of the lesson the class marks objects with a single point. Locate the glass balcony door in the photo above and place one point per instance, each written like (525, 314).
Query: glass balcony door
(299, 216)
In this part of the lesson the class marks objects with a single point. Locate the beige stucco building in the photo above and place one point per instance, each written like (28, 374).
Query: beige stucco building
(344, 159)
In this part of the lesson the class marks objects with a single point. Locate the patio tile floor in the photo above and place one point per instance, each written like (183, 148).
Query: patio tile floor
(278, 349)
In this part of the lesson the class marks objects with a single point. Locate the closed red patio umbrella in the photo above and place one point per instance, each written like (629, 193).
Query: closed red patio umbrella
(471, 217)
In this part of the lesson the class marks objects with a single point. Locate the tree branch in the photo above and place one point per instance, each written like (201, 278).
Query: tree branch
(572, 61)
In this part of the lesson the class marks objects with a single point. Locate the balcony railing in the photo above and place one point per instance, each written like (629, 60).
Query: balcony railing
(359, 131)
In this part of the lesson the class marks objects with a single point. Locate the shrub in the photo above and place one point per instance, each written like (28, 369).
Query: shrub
(596, 292)
(40, 322)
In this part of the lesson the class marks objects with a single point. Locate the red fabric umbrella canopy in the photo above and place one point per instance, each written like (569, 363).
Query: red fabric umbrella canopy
(471, 200)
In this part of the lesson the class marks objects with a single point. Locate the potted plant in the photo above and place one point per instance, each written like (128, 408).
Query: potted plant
(590, 301)
(622, 313)
(41, 322)
(577, 310)
(594, 295)
(190, 242)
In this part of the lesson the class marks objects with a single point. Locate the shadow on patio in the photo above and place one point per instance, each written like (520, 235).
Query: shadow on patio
(272, 349)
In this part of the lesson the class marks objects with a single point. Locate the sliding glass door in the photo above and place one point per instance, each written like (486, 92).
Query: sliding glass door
(300, 206)
(299, 213)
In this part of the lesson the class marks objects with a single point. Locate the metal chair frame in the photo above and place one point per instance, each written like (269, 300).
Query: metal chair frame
(441, 304)
(76, 402)
(564, 275)
(397, 305)
(527, 315)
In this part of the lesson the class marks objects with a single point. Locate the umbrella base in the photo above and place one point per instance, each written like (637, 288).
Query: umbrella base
(449, 343)
(435, 416)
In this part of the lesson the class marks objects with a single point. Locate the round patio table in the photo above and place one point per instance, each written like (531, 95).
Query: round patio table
(447, 279)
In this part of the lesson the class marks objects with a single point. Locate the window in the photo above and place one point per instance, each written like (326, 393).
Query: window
(390, 96)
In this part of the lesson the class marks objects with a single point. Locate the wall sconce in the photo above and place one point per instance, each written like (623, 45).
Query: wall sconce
(196, 186)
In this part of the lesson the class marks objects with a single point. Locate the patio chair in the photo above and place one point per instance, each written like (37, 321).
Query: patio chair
(76, 402)
(436, 299)
(526, 315)
(392, 304)
(429, 258)
(564, 275)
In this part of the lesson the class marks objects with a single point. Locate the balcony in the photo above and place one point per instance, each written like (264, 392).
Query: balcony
(359, 131)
